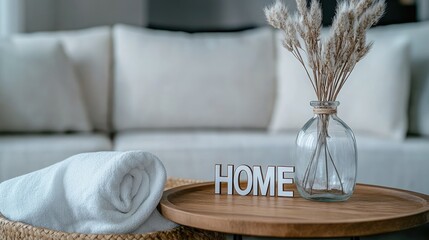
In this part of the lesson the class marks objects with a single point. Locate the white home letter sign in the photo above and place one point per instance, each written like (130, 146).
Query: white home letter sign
(255, 180)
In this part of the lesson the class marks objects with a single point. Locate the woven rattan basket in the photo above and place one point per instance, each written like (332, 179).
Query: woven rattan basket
(10, 230)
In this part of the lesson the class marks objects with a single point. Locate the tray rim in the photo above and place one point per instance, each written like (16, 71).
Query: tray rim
(350, 228)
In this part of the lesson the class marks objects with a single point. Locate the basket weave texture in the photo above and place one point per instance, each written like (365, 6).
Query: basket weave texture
(11, 230)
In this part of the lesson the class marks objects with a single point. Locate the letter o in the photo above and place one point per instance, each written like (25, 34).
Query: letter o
(238, 171)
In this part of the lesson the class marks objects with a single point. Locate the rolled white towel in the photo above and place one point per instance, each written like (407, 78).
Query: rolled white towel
(103, 192)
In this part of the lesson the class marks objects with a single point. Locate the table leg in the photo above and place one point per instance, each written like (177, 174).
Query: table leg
(237, 237)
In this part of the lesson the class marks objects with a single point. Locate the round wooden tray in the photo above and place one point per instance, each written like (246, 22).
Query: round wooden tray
(371, 210)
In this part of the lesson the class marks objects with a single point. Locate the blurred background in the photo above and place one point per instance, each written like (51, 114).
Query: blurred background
(204, 99)
(184, 15)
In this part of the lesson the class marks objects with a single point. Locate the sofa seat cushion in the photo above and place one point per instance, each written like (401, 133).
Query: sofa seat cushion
(21, 154)
(401, 164)
(194, 154)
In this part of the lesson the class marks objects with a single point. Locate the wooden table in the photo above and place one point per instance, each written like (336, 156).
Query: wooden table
(371, 210)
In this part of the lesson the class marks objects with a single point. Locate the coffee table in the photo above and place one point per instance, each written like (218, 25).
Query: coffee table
(371, 210)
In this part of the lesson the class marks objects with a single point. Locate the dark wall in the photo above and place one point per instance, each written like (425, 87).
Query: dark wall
(397, 11)
(208, 15)
(232, 15)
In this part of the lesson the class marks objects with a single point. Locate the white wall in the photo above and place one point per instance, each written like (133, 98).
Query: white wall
(423, 10)
(12, 17)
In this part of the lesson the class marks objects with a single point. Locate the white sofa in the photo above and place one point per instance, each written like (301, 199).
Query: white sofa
(199, 99)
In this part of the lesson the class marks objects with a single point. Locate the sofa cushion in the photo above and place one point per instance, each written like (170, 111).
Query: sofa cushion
(21, 154)
(374, 99)
(399, 164)
(193, 154)
(419, 109)
(90, 52)
(418, 34)
(39, 90)
(206, 80)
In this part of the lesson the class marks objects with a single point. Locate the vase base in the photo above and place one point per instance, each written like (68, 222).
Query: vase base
(331, 196)
(327, 199)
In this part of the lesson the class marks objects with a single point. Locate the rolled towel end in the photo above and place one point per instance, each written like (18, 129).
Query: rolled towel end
(102, 192)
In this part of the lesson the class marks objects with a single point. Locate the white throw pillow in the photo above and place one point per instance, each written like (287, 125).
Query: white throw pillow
(38, 88)
(89, 50)
(419, 101)
(373, 101)
(178, 80)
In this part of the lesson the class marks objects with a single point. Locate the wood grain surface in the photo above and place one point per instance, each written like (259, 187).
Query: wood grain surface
(371, 210)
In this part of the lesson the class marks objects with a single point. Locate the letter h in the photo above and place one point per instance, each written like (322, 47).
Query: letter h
(226, 179)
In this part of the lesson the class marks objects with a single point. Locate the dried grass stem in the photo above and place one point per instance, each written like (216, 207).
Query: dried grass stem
(329, 62)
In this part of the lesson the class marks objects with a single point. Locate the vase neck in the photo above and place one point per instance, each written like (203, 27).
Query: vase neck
(324, 107)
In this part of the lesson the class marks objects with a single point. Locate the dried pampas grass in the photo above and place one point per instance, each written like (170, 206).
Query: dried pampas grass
(331, 61)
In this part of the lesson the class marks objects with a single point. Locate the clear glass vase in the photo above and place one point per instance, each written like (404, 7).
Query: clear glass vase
(326, 156)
